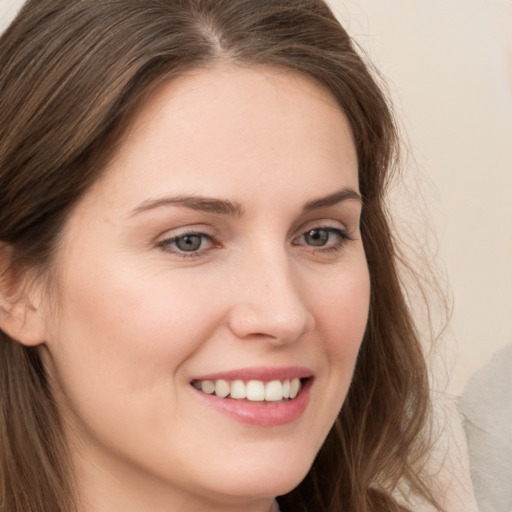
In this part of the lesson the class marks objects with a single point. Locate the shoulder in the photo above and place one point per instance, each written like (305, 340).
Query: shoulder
(487, 410)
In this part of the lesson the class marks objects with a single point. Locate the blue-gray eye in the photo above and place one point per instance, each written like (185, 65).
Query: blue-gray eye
(317, 237)
(189, 243)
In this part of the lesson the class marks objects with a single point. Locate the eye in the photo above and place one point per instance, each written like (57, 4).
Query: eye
(187, 244)
(324, 237)
(317, 237)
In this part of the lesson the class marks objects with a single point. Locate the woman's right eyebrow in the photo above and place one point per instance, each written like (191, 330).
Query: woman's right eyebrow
(200, 203)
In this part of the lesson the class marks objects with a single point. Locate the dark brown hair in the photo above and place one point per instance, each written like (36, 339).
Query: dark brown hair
(72, 75)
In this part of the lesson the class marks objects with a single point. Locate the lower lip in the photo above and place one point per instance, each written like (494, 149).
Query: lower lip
(261, 414)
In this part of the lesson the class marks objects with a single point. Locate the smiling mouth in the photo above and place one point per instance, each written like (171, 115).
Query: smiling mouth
(252, 390)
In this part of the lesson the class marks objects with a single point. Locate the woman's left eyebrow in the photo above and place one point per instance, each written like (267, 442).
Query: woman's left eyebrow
(333, 199)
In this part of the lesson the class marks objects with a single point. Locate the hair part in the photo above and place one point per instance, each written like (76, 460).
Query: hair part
(74, 73)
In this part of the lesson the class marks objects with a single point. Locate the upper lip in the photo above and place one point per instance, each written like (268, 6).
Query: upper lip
(263, 373)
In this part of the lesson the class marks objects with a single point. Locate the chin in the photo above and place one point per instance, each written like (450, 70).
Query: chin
(262, 478)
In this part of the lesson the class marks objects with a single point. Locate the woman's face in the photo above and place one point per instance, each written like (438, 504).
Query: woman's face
(220, 249)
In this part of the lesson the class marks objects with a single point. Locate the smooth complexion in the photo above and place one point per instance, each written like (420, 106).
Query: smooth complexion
(221, 243)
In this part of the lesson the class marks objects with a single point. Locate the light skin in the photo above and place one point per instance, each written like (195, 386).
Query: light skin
(258, 168)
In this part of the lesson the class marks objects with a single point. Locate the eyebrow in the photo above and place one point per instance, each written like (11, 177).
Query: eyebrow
(235, 209)
(200, 203)
(345, 194)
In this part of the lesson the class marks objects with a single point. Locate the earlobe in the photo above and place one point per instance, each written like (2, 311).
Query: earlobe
(22, 323)
(21, 316)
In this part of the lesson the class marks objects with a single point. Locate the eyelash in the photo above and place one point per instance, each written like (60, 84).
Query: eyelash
(167, 245)
(343, 237)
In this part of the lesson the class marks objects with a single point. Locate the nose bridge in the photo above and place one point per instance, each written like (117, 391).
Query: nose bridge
(271, 302)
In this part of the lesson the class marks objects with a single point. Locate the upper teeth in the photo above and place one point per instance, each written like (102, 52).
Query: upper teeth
(253, 390)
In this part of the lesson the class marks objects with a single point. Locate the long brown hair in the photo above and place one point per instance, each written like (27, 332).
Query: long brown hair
(72, 75)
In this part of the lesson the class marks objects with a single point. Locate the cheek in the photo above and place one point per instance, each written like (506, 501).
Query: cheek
(342, 313)
(119, 352)
(128, 327)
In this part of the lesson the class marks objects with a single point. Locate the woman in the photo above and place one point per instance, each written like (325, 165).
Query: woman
(200, 306)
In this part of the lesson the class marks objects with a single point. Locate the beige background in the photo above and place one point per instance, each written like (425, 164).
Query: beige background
(448, 64)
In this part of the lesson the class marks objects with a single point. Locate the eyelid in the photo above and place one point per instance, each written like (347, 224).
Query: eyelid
(194, 229)
(331, 229)
(320, 223)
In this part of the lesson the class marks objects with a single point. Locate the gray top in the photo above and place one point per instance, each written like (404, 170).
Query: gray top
(486, 405)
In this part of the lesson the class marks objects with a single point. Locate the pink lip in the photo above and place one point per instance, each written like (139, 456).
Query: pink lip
(262, 414)
(263, 373)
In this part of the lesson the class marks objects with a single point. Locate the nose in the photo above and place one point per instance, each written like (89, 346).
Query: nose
(269, 303)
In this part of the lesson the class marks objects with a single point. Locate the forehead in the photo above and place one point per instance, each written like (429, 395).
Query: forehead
(210, 131)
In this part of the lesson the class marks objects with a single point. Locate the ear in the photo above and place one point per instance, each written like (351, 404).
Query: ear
(21, 313)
